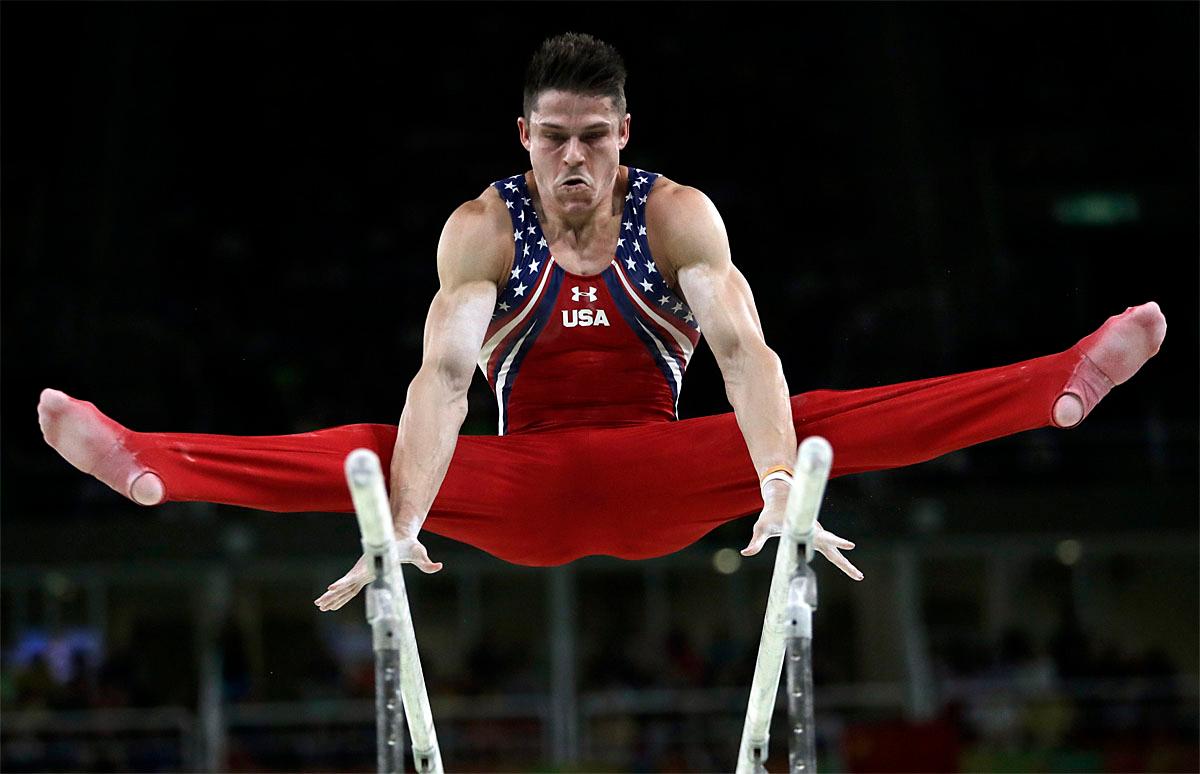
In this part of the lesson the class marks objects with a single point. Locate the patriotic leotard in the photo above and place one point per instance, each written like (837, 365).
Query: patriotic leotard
(568, 350)
(587, 371)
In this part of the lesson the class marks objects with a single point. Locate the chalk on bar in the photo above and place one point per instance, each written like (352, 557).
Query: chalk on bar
(364, 475)
(816, 456)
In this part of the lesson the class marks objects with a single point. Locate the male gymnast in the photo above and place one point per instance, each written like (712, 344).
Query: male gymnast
(580, 289)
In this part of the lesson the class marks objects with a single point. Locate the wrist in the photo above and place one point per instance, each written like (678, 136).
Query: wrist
(776, 489)
(775, 482)
(407, 526)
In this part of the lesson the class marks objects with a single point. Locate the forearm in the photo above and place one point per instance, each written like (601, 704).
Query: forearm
(433, 415)
(758, 392)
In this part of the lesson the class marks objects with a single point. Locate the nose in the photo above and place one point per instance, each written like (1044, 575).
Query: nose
(574, 153)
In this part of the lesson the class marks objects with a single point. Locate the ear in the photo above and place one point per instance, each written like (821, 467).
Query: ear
(623, 133)
(523, 131)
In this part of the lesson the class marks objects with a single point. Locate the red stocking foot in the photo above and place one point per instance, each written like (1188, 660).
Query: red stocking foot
(1110, 356)
(95, 444)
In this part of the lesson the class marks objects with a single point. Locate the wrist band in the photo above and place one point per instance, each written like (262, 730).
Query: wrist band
(773, 469)
(775, 473)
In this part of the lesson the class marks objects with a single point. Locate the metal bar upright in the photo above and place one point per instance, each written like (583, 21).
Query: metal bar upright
(783, 621)
(802, 601)
(399, 680)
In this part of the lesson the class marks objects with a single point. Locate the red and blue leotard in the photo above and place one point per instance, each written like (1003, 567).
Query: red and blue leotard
(590, 458)
(566, 350)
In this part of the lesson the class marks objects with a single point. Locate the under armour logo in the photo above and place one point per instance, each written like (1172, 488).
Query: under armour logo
(576, 293)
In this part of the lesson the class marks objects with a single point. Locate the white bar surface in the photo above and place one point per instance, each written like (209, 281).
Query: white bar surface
(364, 474)
(814, 460)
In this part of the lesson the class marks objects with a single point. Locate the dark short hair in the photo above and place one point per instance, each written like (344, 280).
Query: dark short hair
(577, 63)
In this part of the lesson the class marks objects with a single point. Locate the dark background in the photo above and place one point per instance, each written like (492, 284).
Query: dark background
(222, 218)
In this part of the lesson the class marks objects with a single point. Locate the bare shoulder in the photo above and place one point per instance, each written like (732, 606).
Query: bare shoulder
(684, 225)
(476, 241)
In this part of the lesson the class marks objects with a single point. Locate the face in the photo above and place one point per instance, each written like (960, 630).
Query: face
(574, 143)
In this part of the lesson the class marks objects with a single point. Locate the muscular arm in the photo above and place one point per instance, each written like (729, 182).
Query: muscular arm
(693, 242)
(471, 256)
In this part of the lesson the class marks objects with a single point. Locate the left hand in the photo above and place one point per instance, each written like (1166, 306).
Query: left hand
(770, 524)
(346, 587)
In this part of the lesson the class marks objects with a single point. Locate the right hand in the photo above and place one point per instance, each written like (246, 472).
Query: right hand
(347, 587)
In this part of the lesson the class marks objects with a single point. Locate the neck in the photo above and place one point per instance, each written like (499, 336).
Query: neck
(580, 228)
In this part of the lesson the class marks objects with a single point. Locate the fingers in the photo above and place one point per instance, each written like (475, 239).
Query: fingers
(824, 535)
(843, 564)
(335, 598)
(758, 539)
(347, 587)
(420, 557)
(824, 541)
(342, 591)
(828, 544)
(754, 547)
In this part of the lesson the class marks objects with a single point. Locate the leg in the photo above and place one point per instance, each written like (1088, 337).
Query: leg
(925, 419)
(662, 488)
(496, 495)
(635, 492)
(275, 473)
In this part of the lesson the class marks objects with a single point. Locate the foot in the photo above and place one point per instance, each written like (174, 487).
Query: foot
(1111, 356)
(95, 444)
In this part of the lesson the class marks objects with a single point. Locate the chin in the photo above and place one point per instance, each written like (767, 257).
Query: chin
(577, 199)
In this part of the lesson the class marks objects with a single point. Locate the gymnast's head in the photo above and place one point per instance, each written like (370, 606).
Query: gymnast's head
(574, 124)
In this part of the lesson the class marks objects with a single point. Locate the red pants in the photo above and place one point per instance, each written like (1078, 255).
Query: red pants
(550, 497)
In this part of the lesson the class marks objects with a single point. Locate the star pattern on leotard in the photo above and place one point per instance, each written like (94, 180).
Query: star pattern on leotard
(529, 255)
(633, 253)
(531, 251)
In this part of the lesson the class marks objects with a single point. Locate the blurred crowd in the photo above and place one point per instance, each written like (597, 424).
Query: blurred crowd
(1061, 704)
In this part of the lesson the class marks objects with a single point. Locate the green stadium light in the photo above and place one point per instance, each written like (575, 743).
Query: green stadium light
(1097, 209)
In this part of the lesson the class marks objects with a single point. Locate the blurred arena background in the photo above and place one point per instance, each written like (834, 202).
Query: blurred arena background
(222, 218)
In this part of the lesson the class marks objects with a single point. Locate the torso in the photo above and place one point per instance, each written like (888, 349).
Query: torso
(586, 336)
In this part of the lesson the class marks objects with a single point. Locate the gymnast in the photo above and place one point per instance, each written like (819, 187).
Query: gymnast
(580, 289)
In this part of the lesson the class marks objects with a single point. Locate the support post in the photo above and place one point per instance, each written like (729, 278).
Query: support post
(399, 680)
(802, 601)
(788, 584)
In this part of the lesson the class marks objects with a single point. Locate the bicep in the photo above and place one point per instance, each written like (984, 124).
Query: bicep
(454, 330)
(715, 289)
(468, 257)
(723, 304)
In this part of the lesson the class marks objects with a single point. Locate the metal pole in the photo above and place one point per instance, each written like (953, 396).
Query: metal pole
(389, 703)
(802, 601)
(813, 463)
(399, 680)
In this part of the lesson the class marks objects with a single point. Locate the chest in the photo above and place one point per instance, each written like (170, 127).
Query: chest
(593, 259)
(584, 260)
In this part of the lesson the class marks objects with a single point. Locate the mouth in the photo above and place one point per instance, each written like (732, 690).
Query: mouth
(573, 183)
